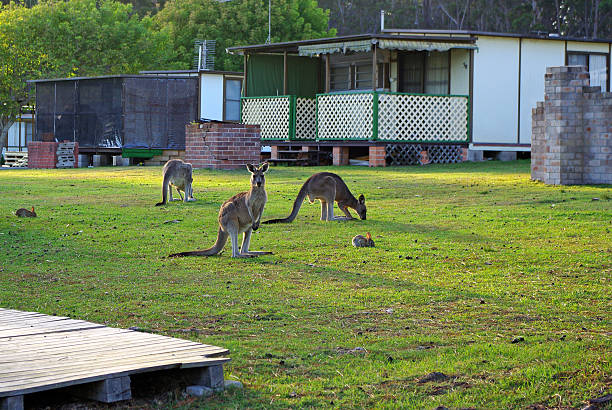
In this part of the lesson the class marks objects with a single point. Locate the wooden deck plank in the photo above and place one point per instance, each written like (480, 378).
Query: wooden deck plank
(118, 354)
(47, 329)
(41, 352)
(100, 374)
(15, 375)
(90, 348)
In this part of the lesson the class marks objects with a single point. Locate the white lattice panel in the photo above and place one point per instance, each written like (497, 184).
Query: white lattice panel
(422, 118)
(271, 114)
(345, 116)
(305, 118)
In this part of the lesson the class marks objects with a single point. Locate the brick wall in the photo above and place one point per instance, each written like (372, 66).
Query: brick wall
(220, 145)
(571, 140)
(44, 154)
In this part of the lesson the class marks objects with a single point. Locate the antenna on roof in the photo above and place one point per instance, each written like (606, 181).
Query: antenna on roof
(382, 20)
(204, 54)
(269, 40)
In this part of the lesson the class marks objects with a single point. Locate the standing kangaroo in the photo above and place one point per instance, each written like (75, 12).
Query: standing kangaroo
(327, 188)
(240, 214)
(177, 174)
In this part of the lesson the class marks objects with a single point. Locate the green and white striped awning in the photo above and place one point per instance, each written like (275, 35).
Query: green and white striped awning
(331, 48)
(422, 45)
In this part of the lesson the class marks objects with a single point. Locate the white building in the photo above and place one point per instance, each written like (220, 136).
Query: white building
(492, 80)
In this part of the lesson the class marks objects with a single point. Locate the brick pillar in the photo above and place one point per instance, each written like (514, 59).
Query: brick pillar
(274, 152)
(341, 156)
(222, 145)
(464, 154)
(376, 157)
(42, 154)
(308, 148)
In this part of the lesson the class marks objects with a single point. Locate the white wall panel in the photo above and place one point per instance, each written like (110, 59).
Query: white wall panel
(585, 46)
(536, 56)
(211, 96)
(495, 98)
(460, 71)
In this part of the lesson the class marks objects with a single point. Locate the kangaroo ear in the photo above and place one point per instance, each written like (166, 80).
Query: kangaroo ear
(264, 167)
(251, 168)
(361, 199)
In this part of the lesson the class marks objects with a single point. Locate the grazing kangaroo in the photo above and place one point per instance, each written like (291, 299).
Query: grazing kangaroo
(177, 174)
(240, 214)
(327, 188)
(24, 213)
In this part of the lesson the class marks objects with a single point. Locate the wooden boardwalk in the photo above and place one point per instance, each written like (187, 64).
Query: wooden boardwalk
(40, 352)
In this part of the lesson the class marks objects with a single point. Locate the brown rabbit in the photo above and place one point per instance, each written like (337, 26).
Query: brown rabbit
(24, 213)
(360, 241)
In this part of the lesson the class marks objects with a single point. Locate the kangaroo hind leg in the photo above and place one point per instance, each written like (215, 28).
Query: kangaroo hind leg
(246, 242)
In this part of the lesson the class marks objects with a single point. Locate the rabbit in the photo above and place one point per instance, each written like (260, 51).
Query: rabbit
(361, 241)
(22, 212)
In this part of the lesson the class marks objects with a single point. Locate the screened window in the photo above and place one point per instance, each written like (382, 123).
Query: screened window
(596, 64)
(357, 75)
(421, 72)
(339, 78)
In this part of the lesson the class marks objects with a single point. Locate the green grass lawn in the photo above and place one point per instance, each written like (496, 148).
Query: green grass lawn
(468, 258)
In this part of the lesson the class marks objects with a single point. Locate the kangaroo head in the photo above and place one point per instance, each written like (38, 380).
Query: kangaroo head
(258, 178)
(361, 207)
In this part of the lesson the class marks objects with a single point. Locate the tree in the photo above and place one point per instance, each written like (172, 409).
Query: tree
(70, 38)
(239, 22)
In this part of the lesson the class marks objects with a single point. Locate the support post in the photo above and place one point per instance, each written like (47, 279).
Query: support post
(284, 73)
(11, 403)
(340, 156)
(327, 73)
(211, 376)
(374, 68)
(106, 391)
(244, 91)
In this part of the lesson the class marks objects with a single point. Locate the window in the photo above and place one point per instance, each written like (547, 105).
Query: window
(233, 89)
(424, 72)
(596, 64)
(345, 74)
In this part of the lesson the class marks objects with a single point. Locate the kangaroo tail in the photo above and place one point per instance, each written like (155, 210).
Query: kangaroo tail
(297, 204)
(165, 186)
(215, 249)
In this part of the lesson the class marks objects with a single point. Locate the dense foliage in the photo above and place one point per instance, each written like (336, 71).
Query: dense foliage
(238, 23)
(73, 38)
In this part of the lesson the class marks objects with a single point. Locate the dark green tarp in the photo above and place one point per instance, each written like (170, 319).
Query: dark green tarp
(265, 76)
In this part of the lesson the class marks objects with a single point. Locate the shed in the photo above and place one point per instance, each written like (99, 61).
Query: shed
(111, 113)
(219, 92)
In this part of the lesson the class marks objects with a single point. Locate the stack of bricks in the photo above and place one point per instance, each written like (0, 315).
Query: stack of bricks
(221, 145)
(377, 155)
(572, 130)
(166, 156)
(44, 154)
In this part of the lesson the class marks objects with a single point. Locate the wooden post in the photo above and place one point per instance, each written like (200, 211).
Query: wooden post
(374, 69)
(11, 403)
(244, 91)
(284, 73)
(327, 71)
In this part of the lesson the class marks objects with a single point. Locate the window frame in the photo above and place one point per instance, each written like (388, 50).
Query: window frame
(588, 54)
(225, 80)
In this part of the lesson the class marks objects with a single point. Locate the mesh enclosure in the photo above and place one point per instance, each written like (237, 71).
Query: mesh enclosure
(117, 112)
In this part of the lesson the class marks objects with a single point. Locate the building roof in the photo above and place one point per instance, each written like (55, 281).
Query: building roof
(104, 77)
(455, 36)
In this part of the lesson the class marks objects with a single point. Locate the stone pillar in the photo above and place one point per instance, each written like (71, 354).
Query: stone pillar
(377, 155)
(571, 130)
(341, 156)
